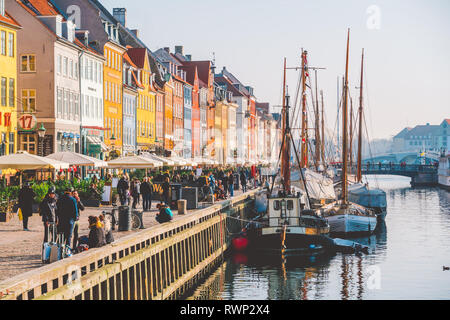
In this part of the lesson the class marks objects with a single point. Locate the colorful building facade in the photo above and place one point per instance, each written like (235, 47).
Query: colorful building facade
(8, 81)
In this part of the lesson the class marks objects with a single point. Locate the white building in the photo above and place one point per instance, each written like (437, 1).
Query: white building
(91, 98)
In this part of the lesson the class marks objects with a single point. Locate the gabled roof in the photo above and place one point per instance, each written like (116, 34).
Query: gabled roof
(423, 130)
(230, 87)
(166, 57)
(137, 55)
(203, 70)
(127, 58)
(40, 7)
(7, 19)
(235, 81)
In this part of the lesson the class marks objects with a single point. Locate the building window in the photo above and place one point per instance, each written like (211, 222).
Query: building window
(3, 43)
(59, 104)
(29, 100)
(11, 44)
(12, 93)
(11, 143)
(66, 66)
(3, 92)
(28, 143)
(28, 63)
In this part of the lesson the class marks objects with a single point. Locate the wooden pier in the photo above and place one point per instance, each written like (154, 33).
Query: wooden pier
(162, 262)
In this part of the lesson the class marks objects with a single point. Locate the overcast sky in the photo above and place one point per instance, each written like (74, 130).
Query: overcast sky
(407, 44)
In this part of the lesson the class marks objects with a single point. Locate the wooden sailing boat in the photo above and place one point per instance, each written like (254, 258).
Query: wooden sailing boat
(343, 216)
(288, 225)
(360, 193)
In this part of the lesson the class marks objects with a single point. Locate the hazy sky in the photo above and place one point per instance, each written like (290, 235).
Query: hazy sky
(407, 44)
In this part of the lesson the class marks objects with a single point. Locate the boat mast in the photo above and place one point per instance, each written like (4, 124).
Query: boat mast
(351, 135)
(317, 128)
(285, 155)
(360, 112)
(322, 143)
(345, 129)
(304, 145)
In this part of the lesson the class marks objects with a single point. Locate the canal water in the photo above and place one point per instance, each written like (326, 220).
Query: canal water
(406, 259)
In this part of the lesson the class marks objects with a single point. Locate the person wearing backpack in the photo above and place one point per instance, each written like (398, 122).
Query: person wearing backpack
(47, 210)
(66, 214)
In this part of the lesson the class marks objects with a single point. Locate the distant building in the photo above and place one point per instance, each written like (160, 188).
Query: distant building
(423, 138)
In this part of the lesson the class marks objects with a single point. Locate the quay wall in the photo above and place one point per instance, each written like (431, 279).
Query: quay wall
(162, 262)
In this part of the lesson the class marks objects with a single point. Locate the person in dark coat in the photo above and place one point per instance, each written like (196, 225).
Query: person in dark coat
(146, 191)
(47, 209)
(96, 233)
(26, 199)
(231, 184)
(67, 214)
(243, 179)
(76, 226)
(166, 191)
(225, 183)
(122, 189)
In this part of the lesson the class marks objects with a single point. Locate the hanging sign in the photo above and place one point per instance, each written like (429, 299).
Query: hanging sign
(27, 122)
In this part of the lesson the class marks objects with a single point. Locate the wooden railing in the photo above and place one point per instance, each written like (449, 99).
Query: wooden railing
(157, 263)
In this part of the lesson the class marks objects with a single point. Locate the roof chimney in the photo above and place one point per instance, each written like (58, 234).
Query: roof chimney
(135, 32)
(167, 49)
(179, 50)
(120, 14)
(188, 57)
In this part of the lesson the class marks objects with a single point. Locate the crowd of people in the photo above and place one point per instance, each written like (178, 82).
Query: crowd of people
(61, 214)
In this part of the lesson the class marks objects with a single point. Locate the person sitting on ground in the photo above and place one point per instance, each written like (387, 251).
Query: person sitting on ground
(109, 238)
(96, 233)
(165, 214)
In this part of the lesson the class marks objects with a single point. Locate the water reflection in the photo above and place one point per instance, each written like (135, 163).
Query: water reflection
(408, 250)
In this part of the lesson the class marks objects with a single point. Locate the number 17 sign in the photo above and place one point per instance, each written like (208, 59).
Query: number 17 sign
(27, 122)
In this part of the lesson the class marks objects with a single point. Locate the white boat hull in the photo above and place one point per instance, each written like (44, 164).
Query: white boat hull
(349, 223)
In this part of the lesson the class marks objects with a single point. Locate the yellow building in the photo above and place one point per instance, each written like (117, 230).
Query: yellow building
(113, 91)
(8, 83)
(146, 102)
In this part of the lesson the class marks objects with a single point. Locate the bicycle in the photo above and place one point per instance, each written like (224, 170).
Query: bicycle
(136, 222)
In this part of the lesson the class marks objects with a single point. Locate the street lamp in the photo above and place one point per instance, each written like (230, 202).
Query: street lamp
(41, 134)
(41, 131)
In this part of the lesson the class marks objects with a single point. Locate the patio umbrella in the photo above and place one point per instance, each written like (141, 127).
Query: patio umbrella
(134, 162)
(165, 161)
(22, 160)
(179, 162)
(77, 159)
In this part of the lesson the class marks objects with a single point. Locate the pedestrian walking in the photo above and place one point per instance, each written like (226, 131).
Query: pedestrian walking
(135, 192)
(67, 214)
(243, 179)
(47, 210)
(122, 189)
(166, 191)
(231, 183)
(80, 207)
(26, 199)
(146, 191)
